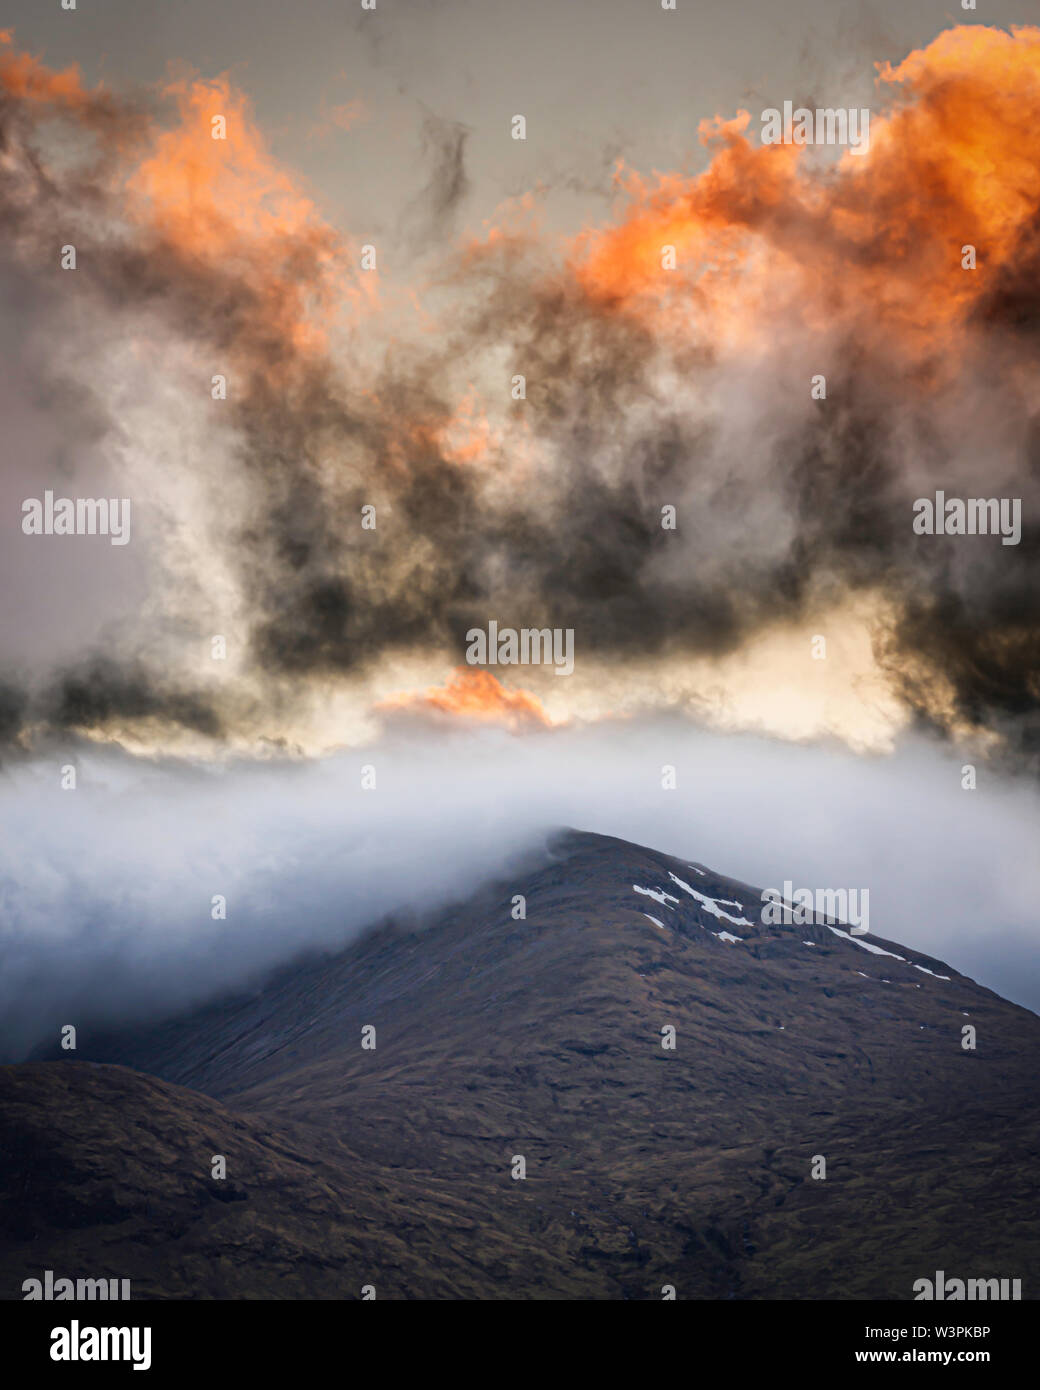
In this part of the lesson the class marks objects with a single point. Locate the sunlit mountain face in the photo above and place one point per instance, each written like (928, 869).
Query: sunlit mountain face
(427, 427)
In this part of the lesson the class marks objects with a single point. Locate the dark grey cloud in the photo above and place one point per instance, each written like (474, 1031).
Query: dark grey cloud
(432, 213)
(779, 501)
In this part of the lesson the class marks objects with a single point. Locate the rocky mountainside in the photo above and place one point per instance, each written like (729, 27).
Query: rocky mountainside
(541, 1039)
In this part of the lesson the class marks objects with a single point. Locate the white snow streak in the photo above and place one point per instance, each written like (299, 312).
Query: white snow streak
(658, 894)
(710, 904)
(867, 945)
(930, 972)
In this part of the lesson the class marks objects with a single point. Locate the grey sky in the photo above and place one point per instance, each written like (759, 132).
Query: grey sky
(596, 79)
(428, 92)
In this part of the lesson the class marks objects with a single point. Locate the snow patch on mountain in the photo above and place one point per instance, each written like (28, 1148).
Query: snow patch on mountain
(710, 904)
(930, 972)
(658, 895)
(867, 945)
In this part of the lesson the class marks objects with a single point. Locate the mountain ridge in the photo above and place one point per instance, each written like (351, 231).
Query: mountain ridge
(542, 1038)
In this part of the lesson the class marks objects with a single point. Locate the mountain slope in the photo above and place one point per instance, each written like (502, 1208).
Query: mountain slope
(542, 1038)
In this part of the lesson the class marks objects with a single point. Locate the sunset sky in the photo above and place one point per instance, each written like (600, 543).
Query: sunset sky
(267, 335)
(390, 387)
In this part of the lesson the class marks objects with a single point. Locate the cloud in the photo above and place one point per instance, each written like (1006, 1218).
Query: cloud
(471, 694)
(432, 212)
(644, 389)
(343, 116)
(108, 887)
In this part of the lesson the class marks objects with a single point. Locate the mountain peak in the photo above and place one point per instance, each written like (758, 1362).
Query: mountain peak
(668, 1064)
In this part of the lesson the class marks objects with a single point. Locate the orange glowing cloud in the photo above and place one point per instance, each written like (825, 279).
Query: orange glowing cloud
(26, 78)
(874, 239)
(474, 694)
(211, 179)
(342, 117)
(191, 172)
(468, 436)
(212, 189)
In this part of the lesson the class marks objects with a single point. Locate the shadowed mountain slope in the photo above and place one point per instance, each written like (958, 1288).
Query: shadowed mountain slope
(542, 1037)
